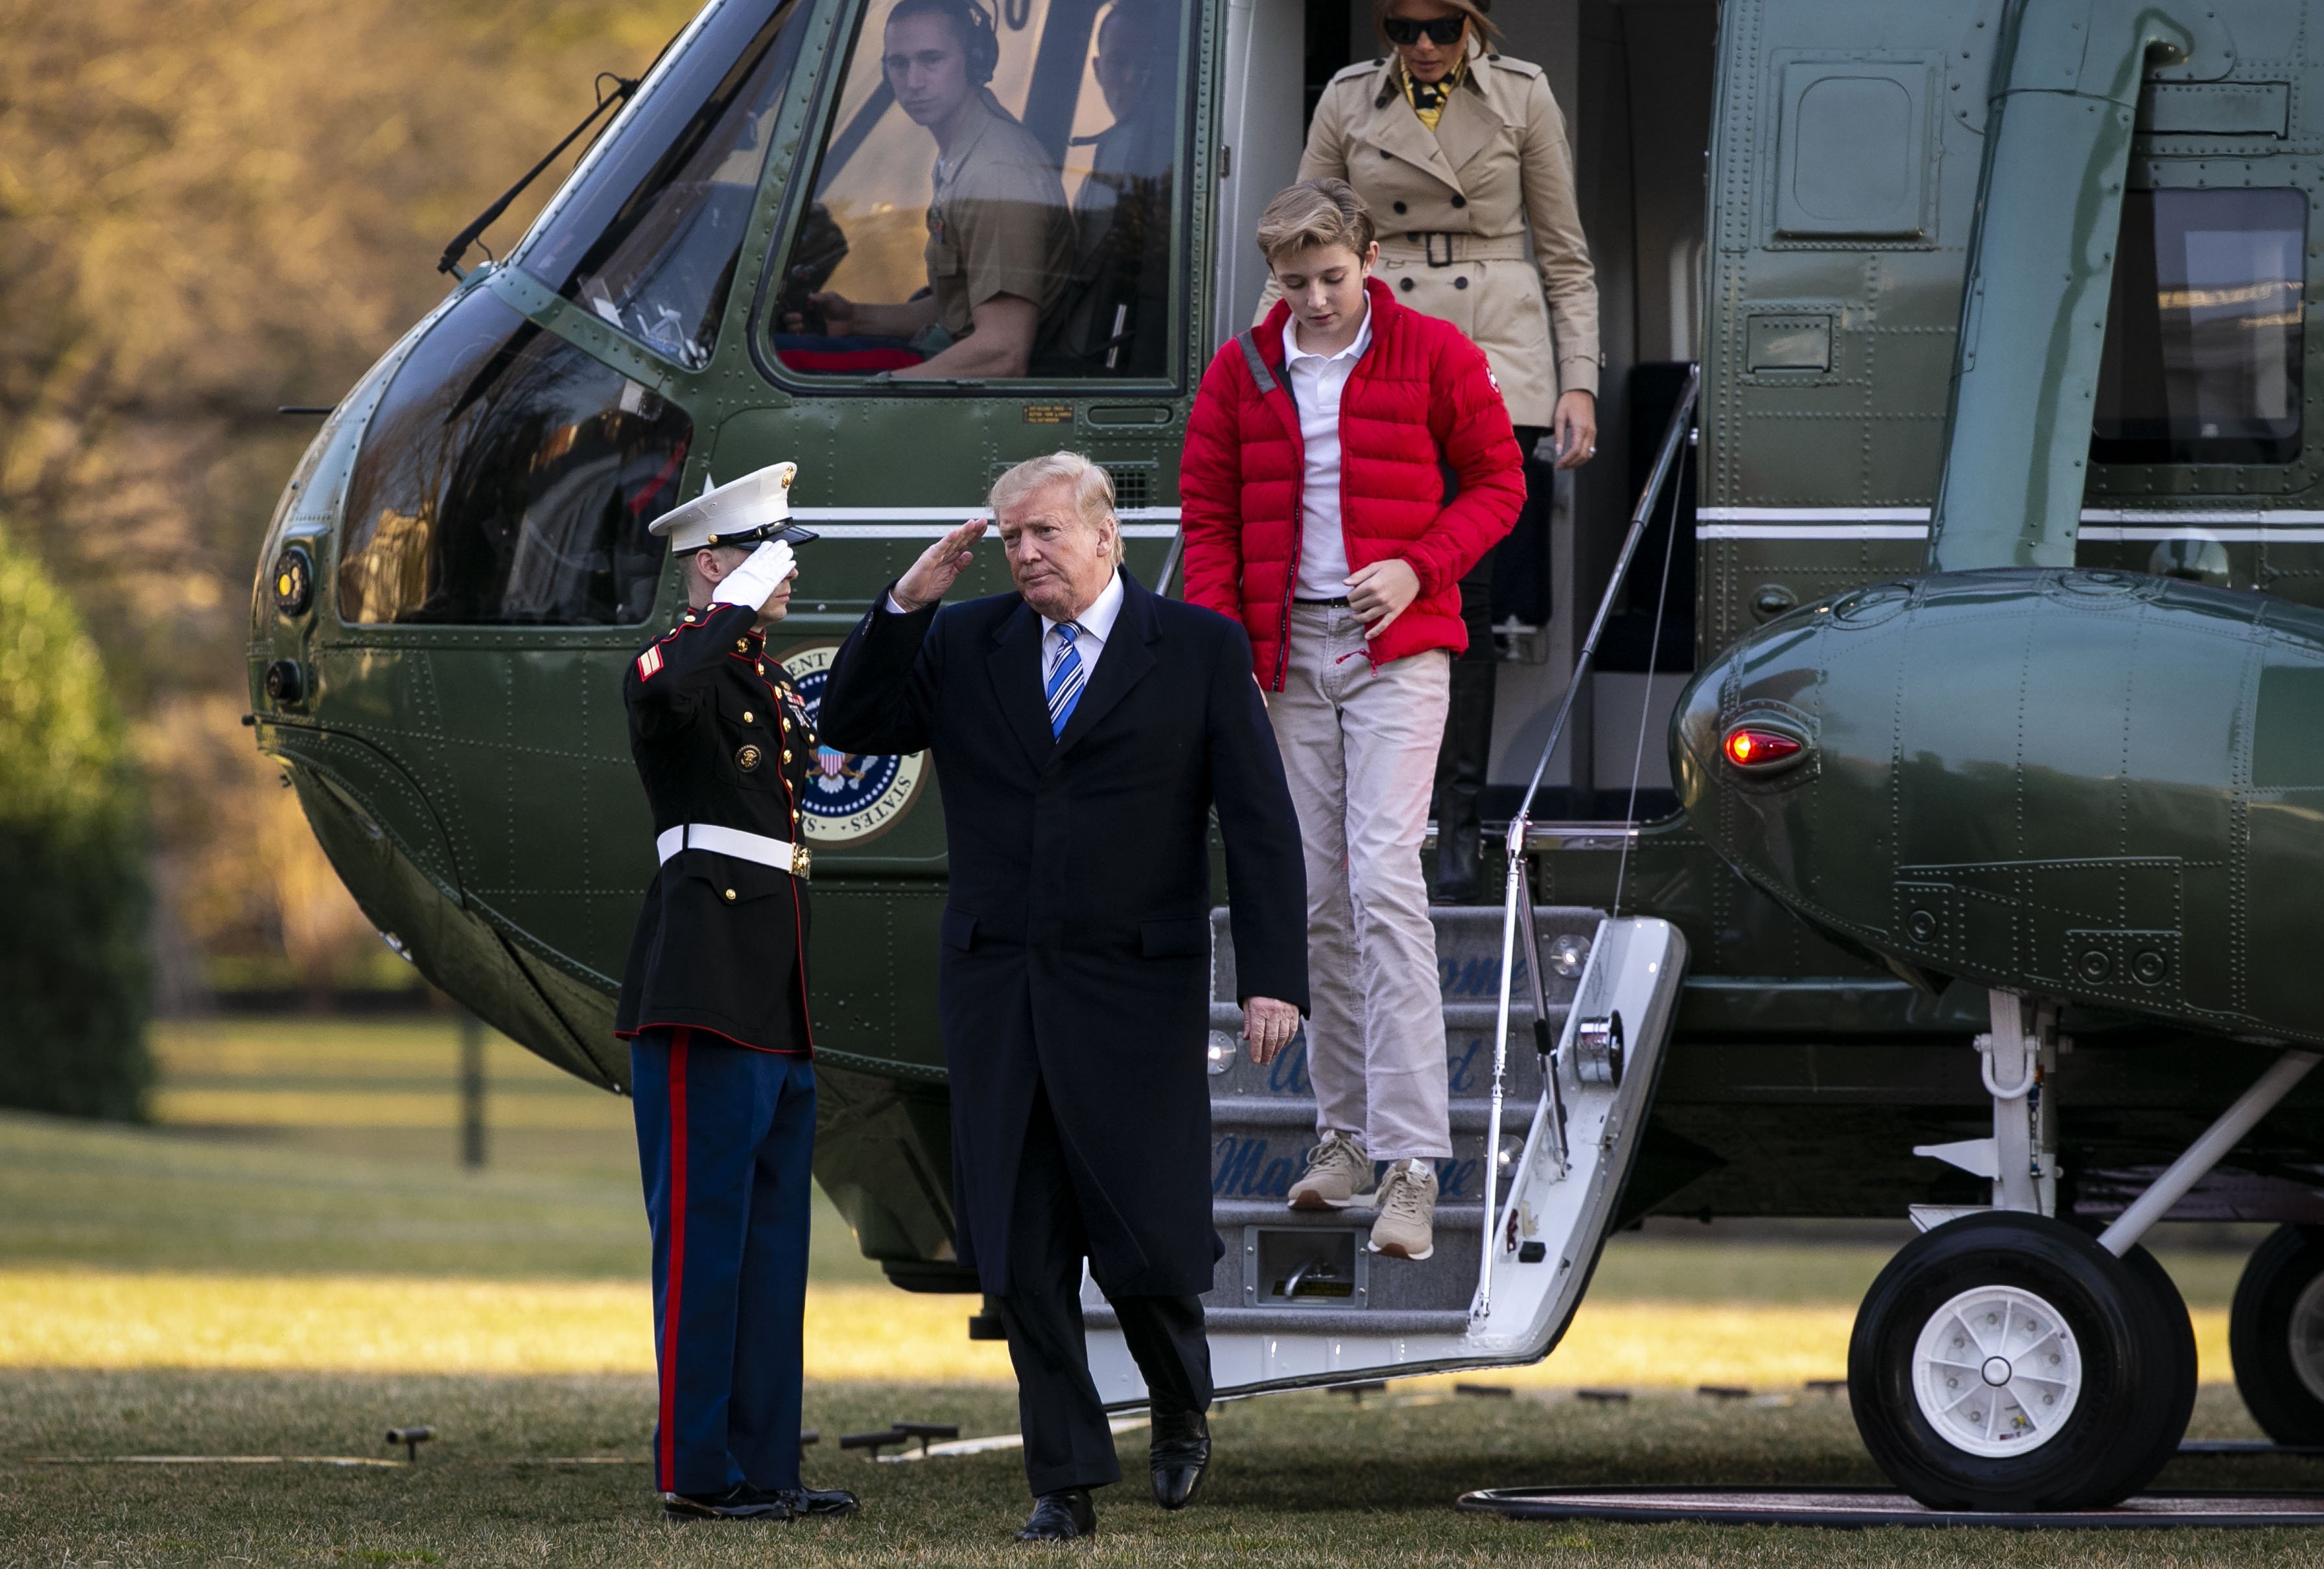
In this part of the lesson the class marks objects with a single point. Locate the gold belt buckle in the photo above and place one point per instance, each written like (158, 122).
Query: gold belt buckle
(801, 862)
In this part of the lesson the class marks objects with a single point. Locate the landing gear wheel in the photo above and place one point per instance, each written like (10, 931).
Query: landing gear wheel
(2180, 1405)
(2008, 1363)
(2276, 1334)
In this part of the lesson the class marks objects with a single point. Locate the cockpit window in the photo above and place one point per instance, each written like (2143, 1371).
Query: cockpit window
(993, 197)
(648, 234)
(507, 478)
(2202, 361)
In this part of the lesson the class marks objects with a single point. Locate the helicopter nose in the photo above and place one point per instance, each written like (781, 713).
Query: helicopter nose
(507, 477)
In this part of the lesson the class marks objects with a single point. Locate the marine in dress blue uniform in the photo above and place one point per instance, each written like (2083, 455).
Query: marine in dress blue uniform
(714, 1007)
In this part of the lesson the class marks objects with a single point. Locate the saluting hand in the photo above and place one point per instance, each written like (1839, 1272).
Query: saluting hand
(939, 567)
(1268, 1025)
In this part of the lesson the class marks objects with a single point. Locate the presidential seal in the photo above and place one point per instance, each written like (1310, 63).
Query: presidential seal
(851, 796)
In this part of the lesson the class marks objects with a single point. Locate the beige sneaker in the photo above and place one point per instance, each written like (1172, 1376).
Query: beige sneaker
(1338, 1174)
(1405, 1228)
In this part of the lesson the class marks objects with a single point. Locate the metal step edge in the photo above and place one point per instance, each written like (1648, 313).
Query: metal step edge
(1272, 1213)
(1482, 914)
(1343, 1321)
(1258, 1111)
(1458, 1016)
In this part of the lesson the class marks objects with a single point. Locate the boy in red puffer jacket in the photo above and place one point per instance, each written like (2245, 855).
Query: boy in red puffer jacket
(1319, 456)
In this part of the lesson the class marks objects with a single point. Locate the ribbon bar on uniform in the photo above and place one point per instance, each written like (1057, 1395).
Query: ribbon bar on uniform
(780, 854)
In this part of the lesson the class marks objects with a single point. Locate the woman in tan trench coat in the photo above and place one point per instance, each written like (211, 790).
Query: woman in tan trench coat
(1461, 153)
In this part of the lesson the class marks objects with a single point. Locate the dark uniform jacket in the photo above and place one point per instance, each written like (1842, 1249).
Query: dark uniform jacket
(721, 737)
(1076, 952)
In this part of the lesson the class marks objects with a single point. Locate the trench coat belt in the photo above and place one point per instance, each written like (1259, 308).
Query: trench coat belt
(1438, 249)
(780, 854)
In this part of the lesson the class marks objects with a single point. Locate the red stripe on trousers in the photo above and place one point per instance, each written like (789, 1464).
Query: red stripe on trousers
(674, 1278)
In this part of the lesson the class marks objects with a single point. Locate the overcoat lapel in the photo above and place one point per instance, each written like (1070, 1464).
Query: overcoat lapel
(1469, 123)
(1127, 656)
(1394, 127)
(1015, 667)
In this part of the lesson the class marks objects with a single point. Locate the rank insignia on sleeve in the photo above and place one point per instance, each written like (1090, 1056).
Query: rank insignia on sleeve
(648, 661)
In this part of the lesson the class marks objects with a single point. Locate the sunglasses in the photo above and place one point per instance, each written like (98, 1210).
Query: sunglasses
(1442, 30)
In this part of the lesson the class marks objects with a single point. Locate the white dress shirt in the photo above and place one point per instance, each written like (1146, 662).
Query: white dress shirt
(1317, 382)
(1094, 626)
(1091, 630)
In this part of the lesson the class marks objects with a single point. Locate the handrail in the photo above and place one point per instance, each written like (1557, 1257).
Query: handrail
(1516, 902)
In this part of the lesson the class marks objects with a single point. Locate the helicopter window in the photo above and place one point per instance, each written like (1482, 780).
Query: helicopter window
(508, 478)
(647, 235)
(993, 197)
(2202, 359)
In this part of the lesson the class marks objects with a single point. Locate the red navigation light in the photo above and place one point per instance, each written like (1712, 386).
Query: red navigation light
(1754, 747)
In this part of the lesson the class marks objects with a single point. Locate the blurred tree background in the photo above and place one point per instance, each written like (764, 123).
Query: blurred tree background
(209, 208)
(72, 862)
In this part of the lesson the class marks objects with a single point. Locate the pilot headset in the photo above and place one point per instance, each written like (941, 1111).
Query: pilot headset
(974, 24)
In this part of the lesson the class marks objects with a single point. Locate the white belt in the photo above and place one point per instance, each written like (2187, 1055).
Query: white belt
(780, 854)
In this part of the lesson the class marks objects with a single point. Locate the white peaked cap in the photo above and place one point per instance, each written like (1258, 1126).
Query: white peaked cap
(756, 501)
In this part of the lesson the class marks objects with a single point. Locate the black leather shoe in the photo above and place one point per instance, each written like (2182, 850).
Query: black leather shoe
(1062, 1516)
(741, 1501)
(1180, 1455)
(819, 1503)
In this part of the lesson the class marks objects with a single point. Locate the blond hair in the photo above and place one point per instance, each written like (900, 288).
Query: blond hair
(1480, 26)
(1092, 490)
(1315, 213)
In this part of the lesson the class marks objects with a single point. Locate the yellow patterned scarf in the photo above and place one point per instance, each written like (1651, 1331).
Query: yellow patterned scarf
(1428, 99)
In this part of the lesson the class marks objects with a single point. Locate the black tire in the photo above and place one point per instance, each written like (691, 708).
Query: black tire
(2175, 1411)
(2275, 1332)
(2122, 1415)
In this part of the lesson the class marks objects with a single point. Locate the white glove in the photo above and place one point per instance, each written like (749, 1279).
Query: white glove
(757, 577)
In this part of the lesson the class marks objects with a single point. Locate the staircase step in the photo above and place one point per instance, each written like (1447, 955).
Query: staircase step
(1468, 950)
(1272, 1111)
(1228, 1016)
(1230, 1214)
(1311, 1320)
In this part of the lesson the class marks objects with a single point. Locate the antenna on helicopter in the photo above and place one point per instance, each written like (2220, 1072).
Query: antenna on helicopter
(623, 88)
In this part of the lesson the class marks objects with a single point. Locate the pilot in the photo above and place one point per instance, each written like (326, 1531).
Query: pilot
(714, 1007)
(1112, 315)
(1000, 237)
(1135, 53)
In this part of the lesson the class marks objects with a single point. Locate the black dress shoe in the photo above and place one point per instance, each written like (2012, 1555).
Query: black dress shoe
(1061, 1516)
(741, 1501)
(1180, 1455)
(819, 1503)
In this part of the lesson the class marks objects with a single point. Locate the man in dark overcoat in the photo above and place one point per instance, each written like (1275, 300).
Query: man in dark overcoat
(1085, 730)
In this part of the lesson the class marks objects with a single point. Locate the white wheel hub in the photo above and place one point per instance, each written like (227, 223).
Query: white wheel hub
(2308, 1336)
(1996, 1370)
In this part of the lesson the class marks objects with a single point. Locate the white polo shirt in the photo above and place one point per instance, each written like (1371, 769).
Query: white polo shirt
(1317, 380)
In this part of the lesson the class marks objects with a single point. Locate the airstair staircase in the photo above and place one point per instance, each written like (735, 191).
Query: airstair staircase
(1297, 1299)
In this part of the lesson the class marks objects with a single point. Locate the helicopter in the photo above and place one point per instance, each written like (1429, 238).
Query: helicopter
(1905, 769)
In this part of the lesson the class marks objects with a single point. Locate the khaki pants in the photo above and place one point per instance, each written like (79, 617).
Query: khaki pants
(1359, 747)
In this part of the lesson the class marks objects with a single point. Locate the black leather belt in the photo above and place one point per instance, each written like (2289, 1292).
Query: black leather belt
(1335, 604)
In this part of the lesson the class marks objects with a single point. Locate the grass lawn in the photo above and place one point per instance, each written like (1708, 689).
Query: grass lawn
(1301, 1479)
(292, 1261)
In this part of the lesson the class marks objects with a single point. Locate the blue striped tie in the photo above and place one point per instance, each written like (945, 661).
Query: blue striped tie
(1066, 679)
